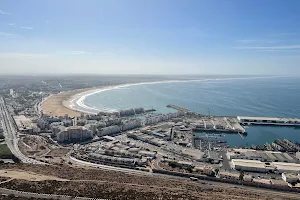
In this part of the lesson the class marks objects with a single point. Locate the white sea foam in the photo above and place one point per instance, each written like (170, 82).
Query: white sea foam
(77, 103)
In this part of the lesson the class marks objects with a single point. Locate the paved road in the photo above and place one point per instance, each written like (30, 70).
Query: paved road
(263, 191)
(10, 135)
(111, 168)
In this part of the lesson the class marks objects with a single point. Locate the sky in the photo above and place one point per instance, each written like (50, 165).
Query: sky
(150, 37)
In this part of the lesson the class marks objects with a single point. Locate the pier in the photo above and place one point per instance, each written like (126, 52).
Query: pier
(181, 109)
(233, 124)
(218, 124)
(150, 110)
(241, 136)
(269, 121)
(178, 108)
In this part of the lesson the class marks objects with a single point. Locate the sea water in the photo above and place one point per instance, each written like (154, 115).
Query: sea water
(264, 97)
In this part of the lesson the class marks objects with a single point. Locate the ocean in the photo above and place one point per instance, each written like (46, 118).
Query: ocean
(269, 97)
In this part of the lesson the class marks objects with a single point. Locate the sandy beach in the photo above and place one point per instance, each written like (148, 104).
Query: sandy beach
(64, 103)
(56, 105)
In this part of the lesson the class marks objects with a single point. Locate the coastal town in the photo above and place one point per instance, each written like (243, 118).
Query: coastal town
(39, 127)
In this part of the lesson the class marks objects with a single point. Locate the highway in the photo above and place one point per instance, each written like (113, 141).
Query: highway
(10, 134)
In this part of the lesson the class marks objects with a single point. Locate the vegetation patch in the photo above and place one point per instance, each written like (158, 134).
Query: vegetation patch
(5, 153)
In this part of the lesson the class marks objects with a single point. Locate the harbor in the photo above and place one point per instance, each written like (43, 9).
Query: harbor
(218, 124)
(238, 131)
(234, 124)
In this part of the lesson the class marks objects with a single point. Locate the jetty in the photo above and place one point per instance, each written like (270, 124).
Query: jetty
(241, 136)
(269, 121)
(149, 110)
(178, 108)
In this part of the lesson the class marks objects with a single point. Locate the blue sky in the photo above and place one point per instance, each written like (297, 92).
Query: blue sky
(150, 37)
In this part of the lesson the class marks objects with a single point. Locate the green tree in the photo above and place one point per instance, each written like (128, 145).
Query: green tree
(241, 177)
(190, 169)
(173, 164)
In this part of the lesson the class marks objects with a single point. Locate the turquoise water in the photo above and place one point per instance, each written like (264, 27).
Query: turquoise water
(271, 97)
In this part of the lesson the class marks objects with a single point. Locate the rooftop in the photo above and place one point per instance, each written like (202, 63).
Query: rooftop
(278, 182)
(287, 166)
(291, 175)
(263, 181)
(109, 138)
(227, 173)
(76, 127)
(249, 163)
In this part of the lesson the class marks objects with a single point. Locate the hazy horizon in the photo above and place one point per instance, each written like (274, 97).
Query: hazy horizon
(149, 37)
(141, 75)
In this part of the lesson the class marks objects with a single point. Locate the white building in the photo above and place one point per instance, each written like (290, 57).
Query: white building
(229, 175)
(242, 154)
(57, 128)
(161, 118)
(109, 130)
(264, 156)
(101, 124)
(258, 166)
(298, 155)
(132, 124)
(91, 127)
(11, 92)
(250, 165)
(147, 153)
(282, 167)
(74, 133)
(290, 178)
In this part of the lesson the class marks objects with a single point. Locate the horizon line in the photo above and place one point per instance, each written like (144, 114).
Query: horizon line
(142, 74)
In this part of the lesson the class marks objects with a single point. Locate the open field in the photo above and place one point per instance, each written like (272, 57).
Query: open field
(5, 152)
(33, 145)
(59, 152)
(24, 175)
(12, 197)
(118, 185)
(126, 191)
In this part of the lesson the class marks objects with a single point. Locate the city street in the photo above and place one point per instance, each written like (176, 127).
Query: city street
(10, 135)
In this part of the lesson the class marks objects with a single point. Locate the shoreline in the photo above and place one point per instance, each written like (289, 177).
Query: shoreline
(72, 102)
(55, 104)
